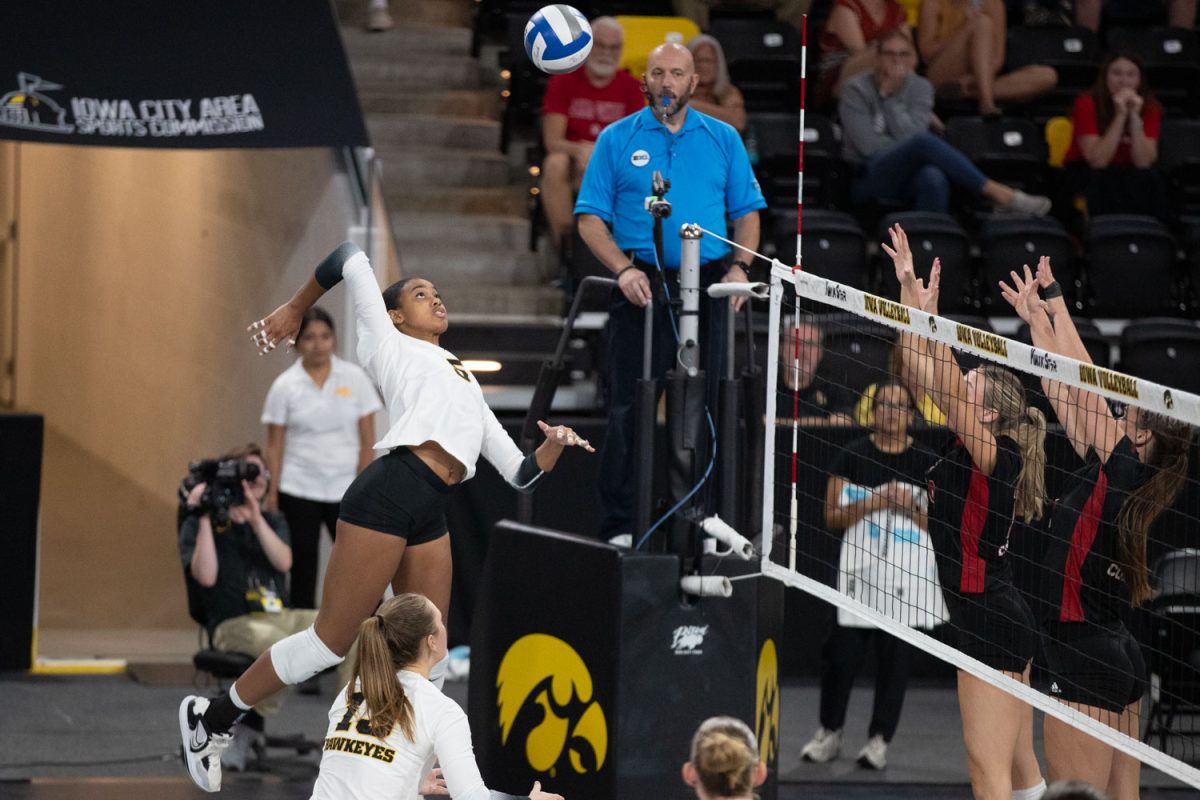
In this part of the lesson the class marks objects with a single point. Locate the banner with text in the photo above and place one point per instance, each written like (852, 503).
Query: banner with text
(211, 73)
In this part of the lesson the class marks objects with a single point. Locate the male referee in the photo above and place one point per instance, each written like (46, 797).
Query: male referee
(711, 178)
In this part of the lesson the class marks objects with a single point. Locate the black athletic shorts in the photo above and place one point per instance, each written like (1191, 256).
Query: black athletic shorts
(398, 494)
(1094, 665)
(995, 627)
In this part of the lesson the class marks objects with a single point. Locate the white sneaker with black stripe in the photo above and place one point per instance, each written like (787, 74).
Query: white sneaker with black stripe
(201, 748)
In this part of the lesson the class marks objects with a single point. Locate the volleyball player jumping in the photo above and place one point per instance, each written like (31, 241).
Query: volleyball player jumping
(392, 526)
(1134, 468)
(989, 474)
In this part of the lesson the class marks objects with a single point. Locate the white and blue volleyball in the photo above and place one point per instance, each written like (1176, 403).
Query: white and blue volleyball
(558, 39)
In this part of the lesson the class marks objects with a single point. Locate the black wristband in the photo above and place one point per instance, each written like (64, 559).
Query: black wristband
(739, 263)
(623, 270)
(1052, 291)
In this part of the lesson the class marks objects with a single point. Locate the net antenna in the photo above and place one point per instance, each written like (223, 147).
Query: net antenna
(789, 284)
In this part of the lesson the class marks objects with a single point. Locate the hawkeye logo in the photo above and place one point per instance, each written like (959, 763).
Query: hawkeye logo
(29, 108)
(546, 700)
(766, 703)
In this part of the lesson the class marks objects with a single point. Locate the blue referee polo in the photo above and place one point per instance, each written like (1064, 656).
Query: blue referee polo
(710, 178)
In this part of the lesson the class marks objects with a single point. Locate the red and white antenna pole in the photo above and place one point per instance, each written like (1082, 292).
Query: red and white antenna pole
(795, 500)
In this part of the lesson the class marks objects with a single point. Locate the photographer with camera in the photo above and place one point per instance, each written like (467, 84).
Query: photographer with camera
(239, 556)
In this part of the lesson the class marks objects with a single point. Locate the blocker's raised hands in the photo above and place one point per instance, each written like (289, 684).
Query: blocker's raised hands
(901, 253)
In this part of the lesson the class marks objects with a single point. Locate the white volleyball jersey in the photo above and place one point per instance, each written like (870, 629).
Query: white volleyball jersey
(429, 394)
(358, 766)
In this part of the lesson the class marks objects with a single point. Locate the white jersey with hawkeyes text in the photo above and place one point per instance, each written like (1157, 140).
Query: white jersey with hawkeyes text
(358, 766)
(429, 394)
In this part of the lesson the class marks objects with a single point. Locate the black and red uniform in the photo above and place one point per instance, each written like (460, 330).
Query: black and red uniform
(971, 518)
(1091, 657)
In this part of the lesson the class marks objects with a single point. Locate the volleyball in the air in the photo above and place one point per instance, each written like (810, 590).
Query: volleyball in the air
(558, 39)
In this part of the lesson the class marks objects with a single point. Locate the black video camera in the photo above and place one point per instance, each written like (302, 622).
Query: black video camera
(223, 490)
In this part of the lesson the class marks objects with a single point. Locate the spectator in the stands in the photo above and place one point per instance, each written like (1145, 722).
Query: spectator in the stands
(576, 107)
(790, 11)
(1180, 13)
(714, 94)
(1115, 142)
(850, 42)
(820, 401)
(962, 45)
(864, 409)
(885, 117)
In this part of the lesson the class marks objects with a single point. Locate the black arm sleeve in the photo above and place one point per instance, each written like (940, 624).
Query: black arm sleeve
(329, 271)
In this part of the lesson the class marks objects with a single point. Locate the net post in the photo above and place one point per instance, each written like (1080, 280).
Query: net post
(768, 487)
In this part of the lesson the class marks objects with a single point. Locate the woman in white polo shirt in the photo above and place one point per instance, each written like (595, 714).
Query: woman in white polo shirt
(320, 432)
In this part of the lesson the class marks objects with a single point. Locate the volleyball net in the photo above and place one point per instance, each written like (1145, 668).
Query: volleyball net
(847, 508)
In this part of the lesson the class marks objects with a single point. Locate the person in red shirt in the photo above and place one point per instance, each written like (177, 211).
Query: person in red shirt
(1115, 144)
(850, 41)
(576, 107)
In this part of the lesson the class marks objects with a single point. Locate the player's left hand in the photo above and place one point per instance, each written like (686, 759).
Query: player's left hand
(434, 783)
(563, 436)
(736, 275)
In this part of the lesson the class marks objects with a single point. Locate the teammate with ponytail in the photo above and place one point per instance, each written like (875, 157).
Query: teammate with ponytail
(989, 476)
(1096, 570)
(724, 762)
(390, 723)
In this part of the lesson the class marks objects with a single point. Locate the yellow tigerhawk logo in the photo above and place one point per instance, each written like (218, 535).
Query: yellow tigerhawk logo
(545, 696)
(766, 704)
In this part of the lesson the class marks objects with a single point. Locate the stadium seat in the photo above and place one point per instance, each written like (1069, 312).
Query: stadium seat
(643, 34)
(764, 61)
(1179, 160)
(776, 146)
(835, 247)
(1008, 242)
(1174, 659)
(1008, 149)
(1073, 52)
(1130, 266)
(856, 351)
(1059, 133)
(1172, 59)
(932, 235)
(1163, 350)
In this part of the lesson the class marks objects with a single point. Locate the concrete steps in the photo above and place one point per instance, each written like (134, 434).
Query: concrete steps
(434, 130)
(465, 263)
(502, 301)
(502, 200)
(487, 230)
(482, 103)
(415, 165)
(457, 206)
(430, 71)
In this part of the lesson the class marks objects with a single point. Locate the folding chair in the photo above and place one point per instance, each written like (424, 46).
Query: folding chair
(643, 34)
(1172, 59)
(1073, 52)
(764, 61)
(1008, 150)
(1008, 243)
(1130, 266)
(835, 247)
(1163, 350)
(932, 235)
(1173, 655)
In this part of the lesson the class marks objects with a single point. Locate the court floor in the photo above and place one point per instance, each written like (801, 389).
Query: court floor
(113, 737)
